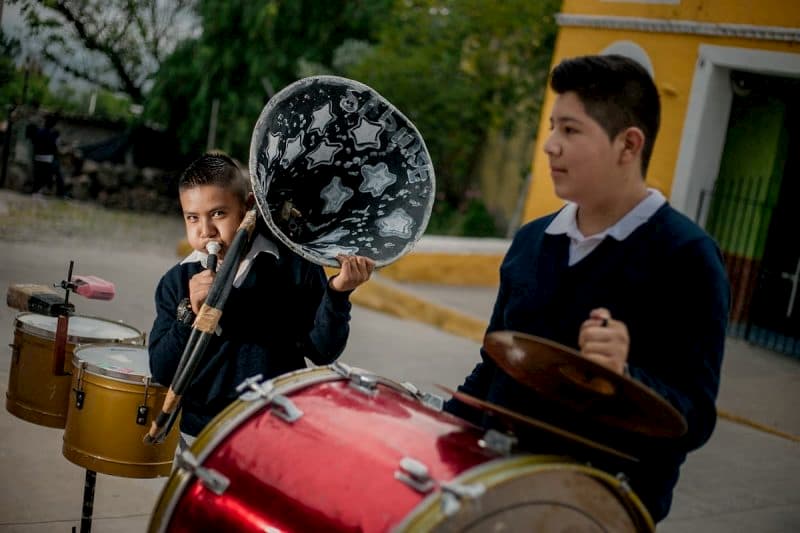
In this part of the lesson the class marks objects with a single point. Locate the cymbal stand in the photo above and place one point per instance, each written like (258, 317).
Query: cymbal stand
(88, 502)
(59, 355)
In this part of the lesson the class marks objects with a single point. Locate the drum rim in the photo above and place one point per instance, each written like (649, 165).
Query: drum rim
(76, 339)
(239, 411)
(95, 370)
(427, 513)
(261, 128)
(220, 427)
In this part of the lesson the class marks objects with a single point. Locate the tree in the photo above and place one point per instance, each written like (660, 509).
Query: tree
(247, 51)
(459, 69)
(114, 44)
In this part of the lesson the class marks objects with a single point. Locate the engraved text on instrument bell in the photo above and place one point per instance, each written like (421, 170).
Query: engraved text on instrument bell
(335, 195)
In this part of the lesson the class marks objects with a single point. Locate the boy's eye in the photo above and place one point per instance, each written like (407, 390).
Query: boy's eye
(218, 214)
(191, 218)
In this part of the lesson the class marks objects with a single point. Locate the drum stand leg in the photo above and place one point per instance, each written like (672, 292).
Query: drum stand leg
(88, 502)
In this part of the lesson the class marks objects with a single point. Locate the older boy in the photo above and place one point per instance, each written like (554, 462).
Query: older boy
(282, 311)
(617, 273)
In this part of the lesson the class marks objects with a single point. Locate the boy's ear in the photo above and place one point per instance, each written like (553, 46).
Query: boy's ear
(632, 144)
(251, 200)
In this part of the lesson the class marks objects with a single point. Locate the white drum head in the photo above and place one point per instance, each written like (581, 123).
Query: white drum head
(82, 329)
(127, 362)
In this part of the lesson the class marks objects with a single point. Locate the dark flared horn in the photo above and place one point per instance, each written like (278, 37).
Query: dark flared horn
(337, 169)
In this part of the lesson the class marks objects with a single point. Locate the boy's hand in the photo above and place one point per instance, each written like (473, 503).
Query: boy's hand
(604, 340)
(199, 286)
(356, 269)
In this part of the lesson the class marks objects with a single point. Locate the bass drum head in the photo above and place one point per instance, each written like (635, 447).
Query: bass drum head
(533, 493)
(337, 169)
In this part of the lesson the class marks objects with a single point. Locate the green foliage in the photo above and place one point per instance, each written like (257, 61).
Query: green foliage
(246, 51)
(472, 219)
(458, 68)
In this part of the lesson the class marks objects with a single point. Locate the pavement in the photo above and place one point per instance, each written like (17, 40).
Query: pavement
(746, 478)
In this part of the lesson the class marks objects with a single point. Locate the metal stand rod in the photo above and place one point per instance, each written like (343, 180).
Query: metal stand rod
(88, 501)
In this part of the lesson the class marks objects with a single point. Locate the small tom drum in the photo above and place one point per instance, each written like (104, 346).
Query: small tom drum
(37, 392)
(338, 449)
(112, 405)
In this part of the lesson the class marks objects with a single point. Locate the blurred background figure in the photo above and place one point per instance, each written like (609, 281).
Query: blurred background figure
(45, 156)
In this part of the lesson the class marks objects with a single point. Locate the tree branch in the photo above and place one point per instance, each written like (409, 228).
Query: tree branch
(89, 40)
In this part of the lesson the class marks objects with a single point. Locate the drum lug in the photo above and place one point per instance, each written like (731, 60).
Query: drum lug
(141, 414)
(14, 352)
(497, 442)
(80, 394)
(414, 474)
(624, 483)
(79, 397)
(211, 479)
(285, 409)
(341, 369)
(252, 389)
(364, 383)
(429, 400)
(454, 493)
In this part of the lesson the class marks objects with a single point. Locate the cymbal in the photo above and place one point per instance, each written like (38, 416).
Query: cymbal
(518, 418)
(561, 375)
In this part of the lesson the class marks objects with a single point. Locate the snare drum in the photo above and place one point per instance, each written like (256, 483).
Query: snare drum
(35, 392)
(112, 404)
(338, 449)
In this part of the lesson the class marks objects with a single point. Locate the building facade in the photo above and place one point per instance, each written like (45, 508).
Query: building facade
(728, 151)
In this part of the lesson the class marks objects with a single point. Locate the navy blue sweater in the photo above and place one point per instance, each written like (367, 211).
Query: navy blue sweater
(667, 283)
(283, 312)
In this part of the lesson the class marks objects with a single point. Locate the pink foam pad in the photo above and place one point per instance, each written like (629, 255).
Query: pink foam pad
(93, 287)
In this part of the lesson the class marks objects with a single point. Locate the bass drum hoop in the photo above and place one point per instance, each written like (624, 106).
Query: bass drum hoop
(428, 515)
(237, 413)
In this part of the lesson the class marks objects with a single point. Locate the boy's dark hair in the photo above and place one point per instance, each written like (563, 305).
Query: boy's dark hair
(616, 91)
(215, 168)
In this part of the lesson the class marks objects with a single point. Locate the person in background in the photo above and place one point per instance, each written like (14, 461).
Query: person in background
(46, 167)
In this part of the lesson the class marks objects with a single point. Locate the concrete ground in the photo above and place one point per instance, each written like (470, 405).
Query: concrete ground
(744, 479)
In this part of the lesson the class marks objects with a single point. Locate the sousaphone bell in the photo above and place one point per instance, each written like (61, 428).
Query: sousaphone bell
(337, 169)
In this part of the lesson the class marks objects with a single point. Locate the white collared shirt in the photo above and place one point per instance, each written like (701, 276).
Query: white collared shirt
(566, 222)
(260, 244)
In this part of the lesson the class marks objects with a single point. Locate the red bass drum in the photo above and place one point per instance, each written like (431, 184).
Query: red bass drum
(339, 449)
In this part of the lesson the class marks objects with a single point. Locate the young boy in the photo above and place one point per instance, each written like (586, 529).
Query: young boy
(617, 273)
(282, 311)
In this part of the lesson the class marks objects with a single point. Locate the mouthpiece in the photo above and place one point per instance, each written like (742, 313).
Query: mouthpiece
(213, 248)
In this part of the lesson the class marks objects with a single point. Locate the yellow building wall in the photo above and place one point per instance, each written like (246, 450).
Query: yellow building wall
(674, 59)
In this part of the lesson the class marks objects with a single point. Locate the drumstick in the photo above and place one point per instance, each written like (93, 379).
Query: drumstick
(203, 328)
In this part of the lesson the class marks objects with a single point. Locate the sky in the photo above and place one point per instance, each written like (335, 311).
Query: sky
(13, 24)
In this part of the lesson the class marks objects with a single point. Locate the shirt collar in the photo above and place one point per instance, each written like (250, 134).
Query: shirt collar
(566, 222)
(260, 244)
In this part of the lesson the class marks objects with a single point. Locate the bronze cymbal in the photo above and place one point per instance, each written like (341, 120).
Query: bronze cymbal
(561, 375)
(517, 418)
